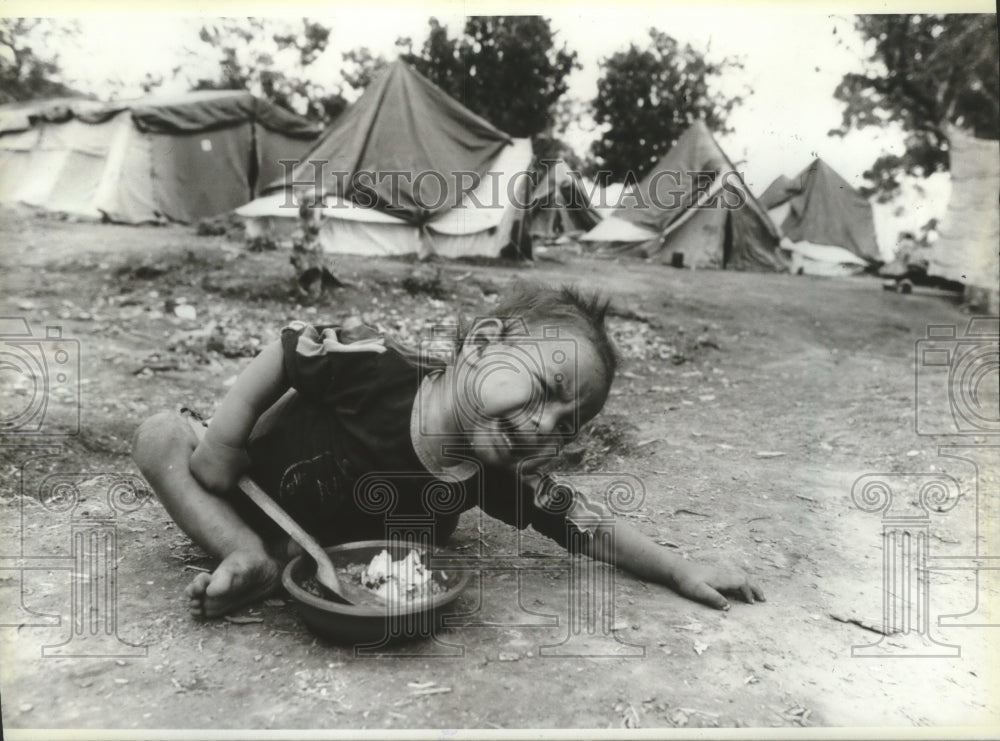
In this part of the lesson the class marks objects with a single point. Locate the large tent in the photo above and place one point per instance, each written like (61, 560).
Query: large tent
(969, 239)
(694, 210)
(176, 158)
(406, 169)
(560, 204)
(820, 208)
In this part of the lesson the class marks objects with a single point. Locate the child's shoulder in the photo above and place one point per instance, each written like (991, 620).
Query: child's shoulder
(353, 349)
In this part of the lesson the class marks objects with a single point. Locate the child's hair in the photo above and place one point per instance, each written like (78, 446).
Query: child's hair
(532, 304)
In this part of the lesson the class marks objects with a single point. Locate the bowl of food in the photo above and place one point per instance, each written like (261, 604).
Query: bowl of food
(395, 590)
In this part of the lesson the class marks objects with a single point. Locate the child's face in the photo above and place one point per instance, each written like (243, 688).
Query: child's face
(518, 398)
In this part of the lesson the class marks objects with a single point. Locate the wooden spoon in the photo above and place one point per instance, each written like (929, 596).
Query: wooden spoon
(326, 575)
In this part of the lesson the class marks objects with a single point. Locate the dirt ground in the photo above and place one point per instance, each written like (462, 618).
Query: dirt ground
(748, 406)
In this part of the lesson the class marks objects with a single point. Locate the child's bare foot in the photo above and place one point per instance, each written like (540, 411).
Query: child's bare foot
(241, 578)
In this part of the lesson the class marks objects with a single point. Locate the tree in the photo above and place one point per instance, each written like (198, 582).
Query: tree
(550, 144)
(270, 58)
(27, 69)
(924, 72)
(507, 69)
(441, 59)
(361, 67)
(646, 98)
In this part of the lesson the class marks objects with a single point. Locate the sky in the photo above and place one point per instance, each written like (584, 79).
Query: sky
(794, 54)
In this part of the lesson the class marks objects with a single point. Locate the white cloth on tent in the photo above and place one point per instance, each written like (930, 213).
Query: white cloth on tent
(273, 205)
(127, 199)
(822, 259)
(504, 186)
(15, 163)
(343, 210)
(824, 253)
(357, 237)
(66, 167)
(613, 229)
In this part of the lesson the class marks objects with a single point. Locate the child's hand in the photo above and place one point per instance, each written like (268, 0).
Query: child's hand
(707, 584)
(218, 467)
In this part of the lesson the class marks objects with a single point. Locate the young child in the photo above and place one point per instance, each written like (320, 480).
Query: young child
(321, 410)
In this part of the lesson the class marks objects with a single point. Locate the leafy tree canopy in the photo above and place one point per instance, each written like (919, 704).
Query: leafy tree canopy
(507, 69)
(646, 98)
(924, 72)
(28, 68)
(271, 59)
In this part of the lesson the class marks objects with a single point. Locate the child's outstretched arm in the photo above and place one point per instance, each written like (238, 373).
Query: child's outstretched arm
(221, 456)
(636, 553)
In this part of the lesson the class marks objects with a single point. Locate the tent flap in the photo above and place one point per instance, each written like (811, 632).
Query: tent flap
(203, 110)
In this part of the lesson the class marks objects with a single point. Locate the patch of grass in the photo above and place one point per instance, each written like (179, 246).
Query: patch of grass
(252, 288)
(176, 266)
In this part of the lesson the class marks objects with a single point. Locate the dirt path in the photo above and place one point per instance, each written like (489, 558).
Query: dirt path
(748, 407)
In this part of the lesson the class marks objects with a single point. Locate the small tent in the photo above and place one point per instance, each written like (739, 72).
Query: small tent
(560, 204)
(159, 158)
(820, 208)
(969, 238)
(694, 210)
(406, 169)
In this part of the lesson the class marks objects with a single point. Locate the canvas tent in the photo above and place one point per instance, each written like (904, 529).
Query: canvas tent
(176, 158)
(969, 238)
(560, 203)
(693, 209)
(819, 207)
(406, 169)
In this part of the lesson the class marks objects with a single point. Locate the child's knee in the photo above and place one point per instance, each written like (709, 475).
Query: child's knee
(159, 435)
